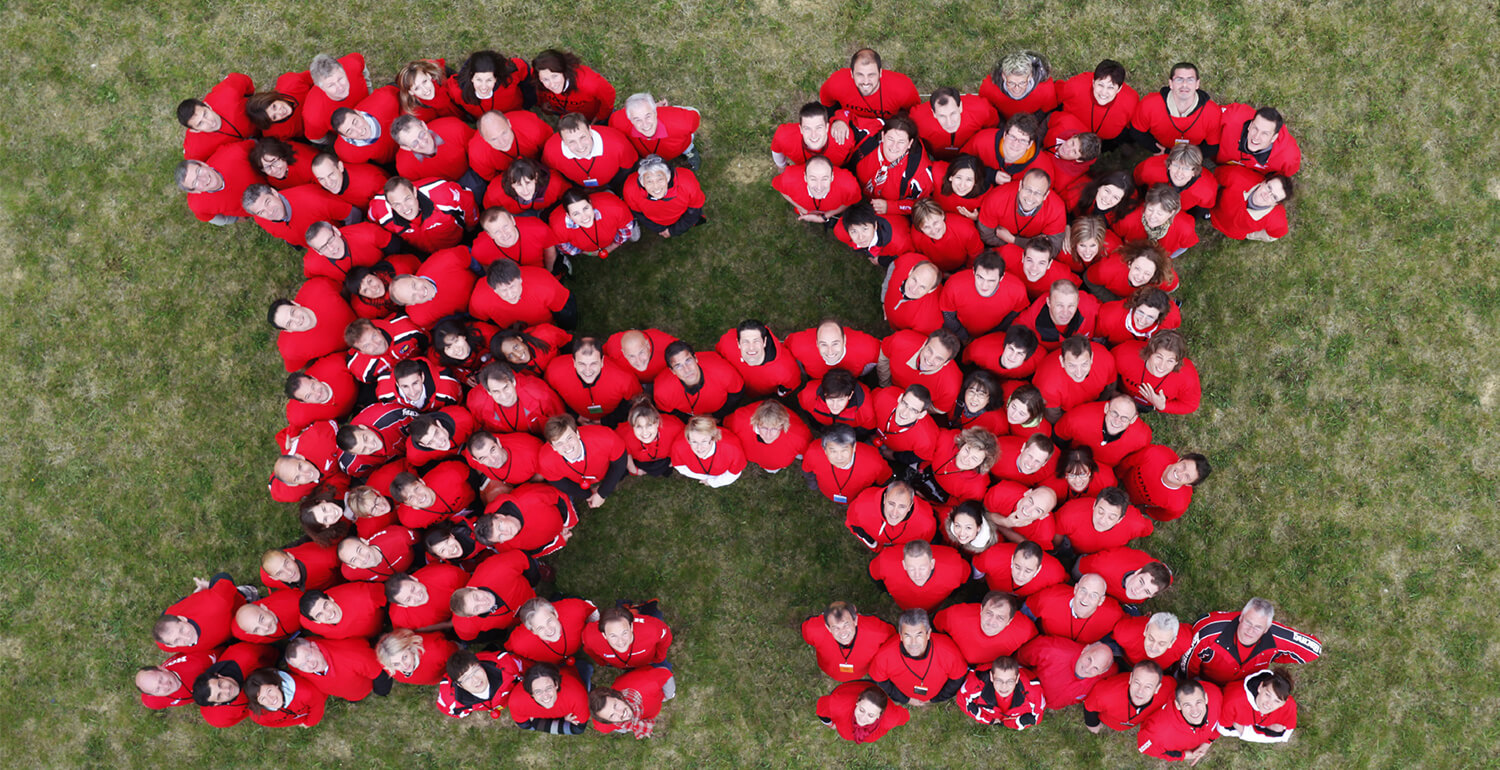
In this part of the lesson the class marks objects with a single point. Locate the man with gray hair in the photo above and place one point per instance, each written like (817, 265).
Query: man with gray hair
(1228, 646)
(918, 667)
(216, 187)
(841, 467)
(665, 201)
(1020, 83)
(342, 82)
(436, 149)
(1159, 638)
(657, 128)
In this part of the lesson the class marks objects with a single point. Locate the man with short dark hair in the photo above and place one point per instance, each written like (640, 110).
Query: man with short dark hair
(218, 118)
(587, 155)
(1112, 430)
(585, 462)
(1084, 612)
(696, 383)
(1180, 113)
(428, 214)
(1100, 99)
(918, 667)
(811, 137)
(818, 191)
(949, 119)
(535, 519)
(353, 183)
(1133, 576)
(909, 358)
(761, 359)
(1257, 139)
(597, 389)
(286, 214)
(512, 293)
(1127, 699)
(311, 324)
(1021, 210)
(1159, 482)
(845, 641)
(987, 630)
(1004, 694)
(1076, 374)
(867, 93)
(201, 621)
(215, 187)
(1186, 728)
(361, 133)
(440, 288)
(982, 299)
(919, 575)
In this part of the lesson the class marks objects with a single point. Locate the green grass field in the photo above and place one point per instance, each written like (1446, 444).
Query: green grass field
(1351, 380)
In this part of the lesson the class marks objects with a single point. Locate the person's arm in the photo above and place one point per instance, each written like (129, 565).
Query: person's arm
(612, 476)
(567, 317)
(721, 480)
(1091, 721)
(951, 688)
(893, 692)
(883, 370)
(780, 160)
(992, 236)
(686, 222)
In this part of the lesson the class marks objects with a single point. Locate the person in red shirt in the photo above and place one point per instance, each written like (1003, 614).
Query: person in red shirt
(478, 682)
(1161, 222)
(1159, 638)
(171, 683)
(333, 251)
(1145, 312)
(1108, 520)
(628, 636)
(593, 387)
(838, 398)
(1127, 699)
(917, 666)
(860, 712)
(949, 119)
(286, 214)
(422, 92)
(982, 404)
(1067, 669)
(830, 345)
(436, 149)
(633, 702)
(1182, 168)
(1076, 374)
(420, 600)
(375, 347)
(961, 462)
(551, 632)
(841, 467)
(905, 432)
(218, 118)
(1011, 355)
(1021, 569)
(811, 137)
(880, 238)
(920, 575)
(1111, 429)
(342, 82)
(585, 462)
(696, 383)
(1022, 210)
(1007, 694)
(912, 298)
(907, 358)
(707, 454)
(379, 556)
(959, 186)
(1160, 482)
(311, 324)
(1251, 207)
(219, 690)
(527, 241)
(1011, 150)
(1132, 575)
(1037, 267)
(760, 359)
(280, 699)
(1101, 100)
(490, 81)
(527, 187)
(892, 167)
(501, 138)
(658, 129)
(513, 294)
(534, 518)
(867, 93)
(1180, 113)
(589, 156)
(442, 492)
(1158, 375)
(594, 224)
(1028, 461)
(412, 657)
(438, 435)
(440, 288)
(201, 621)
(506, 402)
(648, 436)
(641, 351)
(772, 437)
(361, 132)
(339, 668)
(950, 240)
(353, 183)
(215, 187)
(429, 214)
(987, 630)
(818, 191)
(568, 85)
(1072, 148)
(1230, 645)
(1184, 729)
(493, 595)
(284, 164)
(307, 566)
(1082, 612)
(420, 384)
(344, 611)
(845, 641)
(1258, 140)
(665, 201)
(1021, 82)
(1259, 708)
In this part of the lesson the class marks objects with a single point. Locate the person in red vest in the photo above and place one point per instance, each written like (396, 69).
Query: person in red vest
(1022, 568)
(171, 683)
(215, 187)
(339, 668)
(592, 157)
(918, 667)
(1021, 82)
(1108, 520)
(1101, 99)
(1006, 694)
(1067, 669)
(584, 462)
(268, 620)
(830, 345)
(1183, 730)
(412, 657)
(342, 82)
(811, 137)
(551, 632)
(568, 85)
(437, 148)
(842, 467)
(593, 387)
(949, 119)
(375, 347)
(429, 213)
(511, 293)
(478, 682)
(986, 630)
(494, 593)
(218, 118)
(844, 641)
(353, 183)
(219, 690)
(536, 519)
(1230, 645)
(1160, 483)
(1159, 638)
(628, 636)
(501, 138)
(506, 402)
(1259, 708)
(860, 712)
(490, 81)
(818, 190)
(1111, 429)
(919, 575)
(761, 360)
(1251, 207)
(696, 383)
(1181, 113)
(201, 621)
(892, 515)
(1258, 140)
(707, 454)
(344, 611)
(892, 167)
(657, 128)
(771, 436)
(1076, 374)
(1127, 699)
(632, 703)
(912, 297)
(1084, 612)
(420, 600)
(665, 201)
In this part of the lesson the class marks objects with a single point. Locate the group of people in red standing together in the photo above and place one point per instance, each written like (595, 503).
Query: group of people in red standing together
(444, 426)
(1000, 473)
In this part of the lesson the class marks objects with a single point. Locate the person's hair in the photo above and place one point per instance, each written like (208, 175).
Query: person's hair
(254, 193)
(642, 408)
(981, 176)
(865, 55)
(163, 623)
(1286, 185)
(984, 441)
(703, 424)
(612, 615)
(925, 211)
(202, 694)
(539, 671)
(915, 616)
(394, 582)
(1019, 62)
(1120, 179)
(970, 508)
(316, 229)
(640, 98)
(988, 260)
(484, 61)
(1271, 114)
(1088, 228)
(1076, 346)
(944, 94)
(529, 608)
(1170, 341)
(837, 383)
(1262, 607)
(1161, 264)
(401, 484)
(496, 370)
(948, 340)
(263, 677)
(309, 600)
(1149, 296)
(294, 381)
(421, 427)
(1189, 686)
(1043, 246)
(438, 532)
(501, 272)
(407, 76)
(899, 122)
(408, 367)
(517, 332)
(1109, 68)
(573, 195)
(1186, 154)
(838, 435)
(1078, 458)
(652, 164)
(1089, 146)
(186, 108)
(1030, 397)
(396, 183)
(405, 123)
(525, 168)
(270, 145)
(258, 104)
(1183, 65)
(1166, 621)
(479, 438)
(573, 121)
(1024, 121)
(454, 328)
(1201, 463)
(923, 394)
(861, 213)
(599, 698)
(557, 425)
(276, 304)
(1011, 601)
(839, 610)
(1023, 338)
(459, 664)
(361, 499)
(1040, 441)
(1149, 666)
(1164, 195)
(674, 349)
(1006, 663)
(771, 414)
(180, 175)
(986, 382)
(358, 328)
(753, 325)
(1158, 572)
(818, 159)
(874, 696)
(322, 66)
(1281, 683)
(562, 62)
(1028, 549)
(323, 534)
(812, 110)
(1114, 497)
(339, 116)
(395, 642)
(1037, 173)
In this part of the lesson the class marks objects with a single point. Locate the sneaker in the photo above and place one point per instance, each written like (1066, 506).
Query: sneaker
(546, 573)
(251, 593)
(692, 159)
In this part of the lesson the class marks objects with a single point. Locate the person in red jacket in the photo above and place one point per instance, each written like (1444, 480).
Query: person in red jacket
(353, 183)
(1145, 312)
(1021, 82)
(1063, 312)
(339, 668)
(286, 214)
(440, 288)
(568, 85)
(1073, 149)
(949, 119)
(707, 454)
(1160, 222)
(812, 136)
(842, 467)
(830, 345)
(1067, 669)
(284, 164)
(511, 294)
(987, 630)
(1111, 429)
(420, 384)
(362, 132)
(492, 596)
(527, 241)
(860, 712)
(845, 641)
(490, 81)
(439, 148)
(441, 492)
(1161, 483)
(551, 632)
(628, 636)
(171, 683)
(912, 297)
(478, 682)
(412, 657)
(429, 214)
(526, 188)
(342, 82)
(868, 93)
(761, 360)
(550, 700)
(883, 517)
(1006, 694)
(215, 187)
(501, 138)
(920, 575)
(1083, 612)
(344, 611)
(218, 118)
(584, 462)
(1132, 575)
(1076, 374)
(268, 620)
(696, 383)
(982, 300)
(1127, 699)
(918, 667)
(379, 556)
(907, 358)
(1011, 355)
(201, 621)
(219, 690)
(1251, 207)
(308, 566)
(375, 347)
(533, 518)
(633, 702)
(818, 191)
(1101, 100)
(879, 238)
(658, 128)
(593, 387)
(1258, 140)
(506, 402)
(592, 157)
(771, 436)
(1259, 708)
(333, 251)
(950, 240)
(1089, 525)
(892, 167)
(420, 600)
(438, 435)
(595, 224)
(1022, 568)
(1180, 113)
(1183, 730)
(664, 201)
(1182, 168)
(1230, 645)
(1031, 460)
(1158, 375)
(1159, 638)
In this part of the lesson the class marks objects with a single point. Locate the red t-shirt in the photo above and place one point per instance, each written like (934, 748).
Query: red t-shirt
(775, 455)
(541, 296)
(717, 382)
(949, 573)
(961, 622)
(1076, 94)
(901, 348)
(1110, 699)
(1075, 520)
(842, 191)
(861, 351)
(776, 373)
(958, 247)
(674, 131)
(530, 136)
(1201, 126)
(1041, 98)
(612, 154)
(837, 710)
(1053, 658)
(1052, 607)
(450, 158)
(650, 639)
(975, 114)
(842, 484)
(683, 194)
(866, 520)
(852, 662)
(1201, 192)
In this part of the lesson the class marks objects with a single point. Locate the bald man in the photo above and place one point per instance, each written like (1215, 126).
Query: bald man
(1068, 669)
(641, 351)
(1084, 612)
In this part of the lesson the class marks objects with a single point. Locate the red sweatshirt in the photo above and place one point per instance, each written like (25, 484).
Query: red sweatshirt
(1041, 98)
(282, 604)
(611, 153)
(573, 617)
(1053, 609)
(995, 563)
(961, 622)
(950, 572)
(775, 455)
(1110, 702)
(847, 663)
(529, 135)
(1140, 477)
(1052, 659)
(363, 608)
(1075, 520)
(227, 99)
(836, 709)
(1201, 192)
(651, 638)
(842, 484)
(673, 135)
(440, 580)
(211, 611)
(777, 372)
(541, 296)
(1130, 634)
(546, 516)
(718, 381)
(1182, 388)
(975, 114)
(500, 574)
(613, 386)
(232, 161)
(351, 669)
(941, 667)
(450, 158)
(842, 191)
(1060, 391)
(1076, 94)
(861, 351)
(1167, 735)
(586, 92)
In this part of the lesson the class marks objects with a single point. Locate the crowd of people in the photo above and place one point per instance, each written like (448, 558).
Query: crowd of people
(999, 470)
